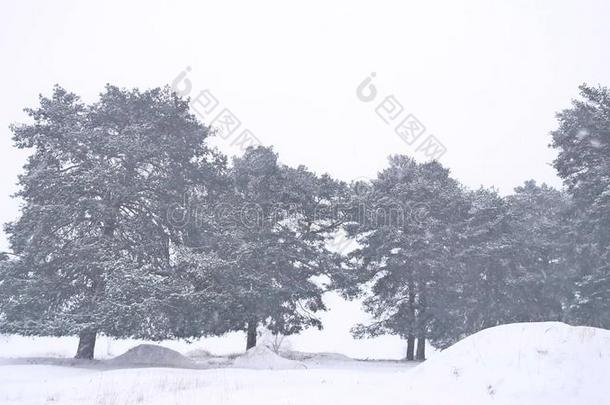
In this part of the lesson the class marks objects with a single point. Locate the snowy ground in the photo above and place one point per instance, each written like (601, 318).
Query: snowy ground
(536, 363)
(212, 379)
(360, 383)
(40, 370)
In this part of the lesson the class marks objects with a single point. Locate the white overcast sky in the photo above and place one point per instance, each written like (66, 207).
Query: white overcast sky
(485, 77)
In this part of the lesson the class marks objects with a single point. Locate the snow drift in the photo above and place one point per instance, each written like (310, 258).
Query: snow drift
(153, 356)
(526, 363)
(261, 357)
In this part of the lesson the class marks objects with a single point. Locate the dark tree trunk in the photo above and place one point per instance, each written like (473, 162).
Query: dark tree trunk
(420, 351)
(251, 331)
(410, 336)
(420, 355)
(86, 338)
(410, 347)
(86, 345)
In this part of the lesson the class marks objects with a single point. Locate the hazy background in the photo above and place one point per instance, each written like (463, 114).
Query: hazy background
(485, 77)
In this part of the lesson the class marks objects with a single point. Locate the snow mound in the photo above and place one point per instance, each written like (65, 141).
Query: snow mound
(302, 356)
(199, 354)
(544, 363)
(261, 357)
(152, 355)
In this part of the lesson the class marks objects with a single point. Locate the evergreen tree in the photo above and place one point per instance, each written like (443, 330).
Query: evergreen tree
(583, 162)
(279, 222)
(512, 260)
(406, 234)
(539, 245)
(473, 261)
(93, 239)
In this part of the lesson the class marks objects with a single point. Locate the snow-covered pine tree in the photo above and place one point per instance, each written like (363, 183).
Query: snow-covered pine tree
(512, 260)
(93, 239)
(583, 162)
(474, 260)
(279, 222)
(541, 279)
(405, 226)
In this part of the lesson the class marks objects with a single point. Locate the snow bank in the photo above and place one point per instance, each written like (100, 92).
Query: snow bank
(152, 355)
(261, 357)
(302, 356)
(545, 363)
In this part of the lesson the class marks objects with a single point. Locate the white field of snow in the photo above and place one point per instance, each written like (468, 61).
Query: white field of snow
(545, 363)
(362, 384)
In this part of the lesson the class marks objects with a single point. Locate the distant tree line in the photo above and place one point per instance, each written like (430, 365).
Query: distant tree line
(132, 226)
